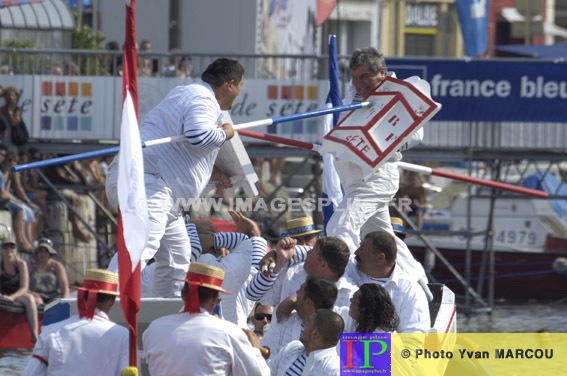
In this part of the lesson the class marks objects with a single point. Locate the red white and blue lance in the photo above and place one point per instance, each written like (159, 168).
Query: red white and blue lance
(403, 165)
(166, 140)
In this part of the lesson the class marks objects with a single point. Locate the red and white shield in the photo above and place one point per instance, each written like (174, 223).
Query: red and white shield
(369, 136)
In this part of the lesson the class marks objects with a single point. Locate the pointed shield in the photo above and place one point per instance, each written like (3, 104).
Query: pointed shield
(370, 136)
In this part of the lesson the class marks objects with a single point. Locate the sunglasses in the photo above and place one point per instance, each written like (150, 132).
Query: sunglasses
(9, 246)
(262, 316)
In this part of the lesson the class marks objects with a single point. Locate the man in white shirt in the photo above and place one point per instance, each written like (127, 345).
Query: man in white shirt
(175, 174)
(328, 259)
(315, 353)
(315, 293)
(375, 262)
(364, 207)
(87, 343)
(194, 342)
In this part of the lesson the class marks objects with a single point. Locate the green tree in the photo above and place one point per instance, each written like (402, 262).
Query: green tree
(84, 38)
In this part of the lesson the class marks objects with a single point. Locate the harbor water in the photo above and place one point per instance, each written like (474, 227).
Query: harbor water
(507, 318)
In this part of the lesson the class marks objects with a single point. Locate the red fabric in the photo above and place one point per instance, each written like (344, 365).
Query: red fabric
(200, 279)
(88, 310)
(276, 139)
(40, 359)
(97, 285)
(192, 303)
(130, 282)
(324, 9)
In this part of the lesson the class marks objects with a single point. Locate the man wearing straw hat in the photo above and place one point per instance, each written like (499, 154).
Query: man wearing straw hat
(87, 343)
(398, 227)
(194, 342)
(303, 231)
(175, 174)
(328, 258)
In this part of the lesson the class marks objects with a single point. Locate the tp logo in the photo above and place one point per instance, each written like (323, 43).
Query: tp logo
(361, 352)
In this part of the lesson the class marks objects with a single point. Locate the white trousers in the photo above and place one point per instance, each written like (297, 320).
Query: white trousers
(364, 209)
(168, 241)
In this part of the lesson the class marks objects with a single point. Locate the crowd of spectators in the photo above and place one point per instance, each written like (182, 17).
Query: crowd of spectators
(176, 65)
(32, 284)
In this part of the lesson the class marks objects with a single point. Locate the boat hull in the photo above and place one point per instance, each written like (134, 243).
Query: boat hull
(518, 275)
(14, 329)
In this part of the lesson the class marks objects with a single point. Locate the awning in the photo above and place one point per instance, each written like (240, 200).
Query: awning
(552, 51)
(43, 15)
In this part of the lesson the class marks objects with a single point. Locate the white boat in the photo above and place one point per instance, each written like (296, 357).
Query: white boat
(529, 240)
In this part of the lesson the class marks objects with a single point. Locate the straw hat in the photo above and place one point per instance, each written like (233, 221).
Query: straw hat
(47, 244)
(301, 226)
(208, 276)
(398, 226)
(204, 275)
(96, 281)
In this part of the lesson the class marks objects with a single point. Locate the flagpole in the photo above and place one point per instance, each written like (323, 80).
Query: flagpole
(132, 222)
(167, 140)
(331, 183)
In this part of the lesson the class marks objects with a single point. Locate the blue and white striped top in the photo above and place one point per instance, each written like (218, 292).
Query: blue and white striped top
(186, 167)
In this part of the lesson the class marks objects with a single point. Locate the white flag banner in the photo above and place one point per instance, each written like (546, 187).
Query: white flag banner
(131, 189)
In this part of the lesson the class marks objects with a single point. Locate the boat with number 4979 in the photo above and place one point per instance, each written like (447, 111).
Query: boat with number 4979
(529, 239)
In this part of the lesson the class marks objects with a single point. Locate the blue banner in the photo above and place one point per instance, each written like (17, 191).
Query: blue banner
(492, 90)
(473, 17)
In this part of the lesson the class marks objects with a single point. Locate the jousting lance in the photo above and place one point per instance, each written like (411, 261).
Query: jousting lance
(404, 165)
(167, 140)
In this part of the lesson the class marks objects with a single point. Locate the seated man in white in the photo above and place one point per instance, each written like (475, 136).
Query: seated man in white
(375, 262)
(328, 258)
(314, 354)
(315, 293)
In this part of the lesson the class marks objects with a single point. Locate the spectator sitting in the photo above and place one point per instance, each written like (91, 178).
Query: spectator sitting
(30, 182)
(20, 217)
(32, 213)
(48, 278)
(14, 282)
(414, 190)
(11, 115)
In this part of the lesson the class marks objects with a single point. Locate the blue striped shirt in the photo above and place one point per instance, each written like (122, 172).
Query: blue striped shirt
(186, 167)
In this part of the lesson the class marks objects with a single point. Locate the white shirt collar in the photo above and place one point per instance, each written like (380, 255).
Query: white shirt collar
(322, 353)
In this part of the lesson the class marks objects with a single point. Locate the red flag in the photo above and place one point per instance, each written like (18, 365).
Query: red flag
(132, 213)
(324, 9)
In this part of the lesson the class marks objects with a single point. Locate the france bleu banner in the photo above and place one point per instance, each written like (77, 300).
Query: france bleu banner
(332, 190)
(491, 89)
(473, 16)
